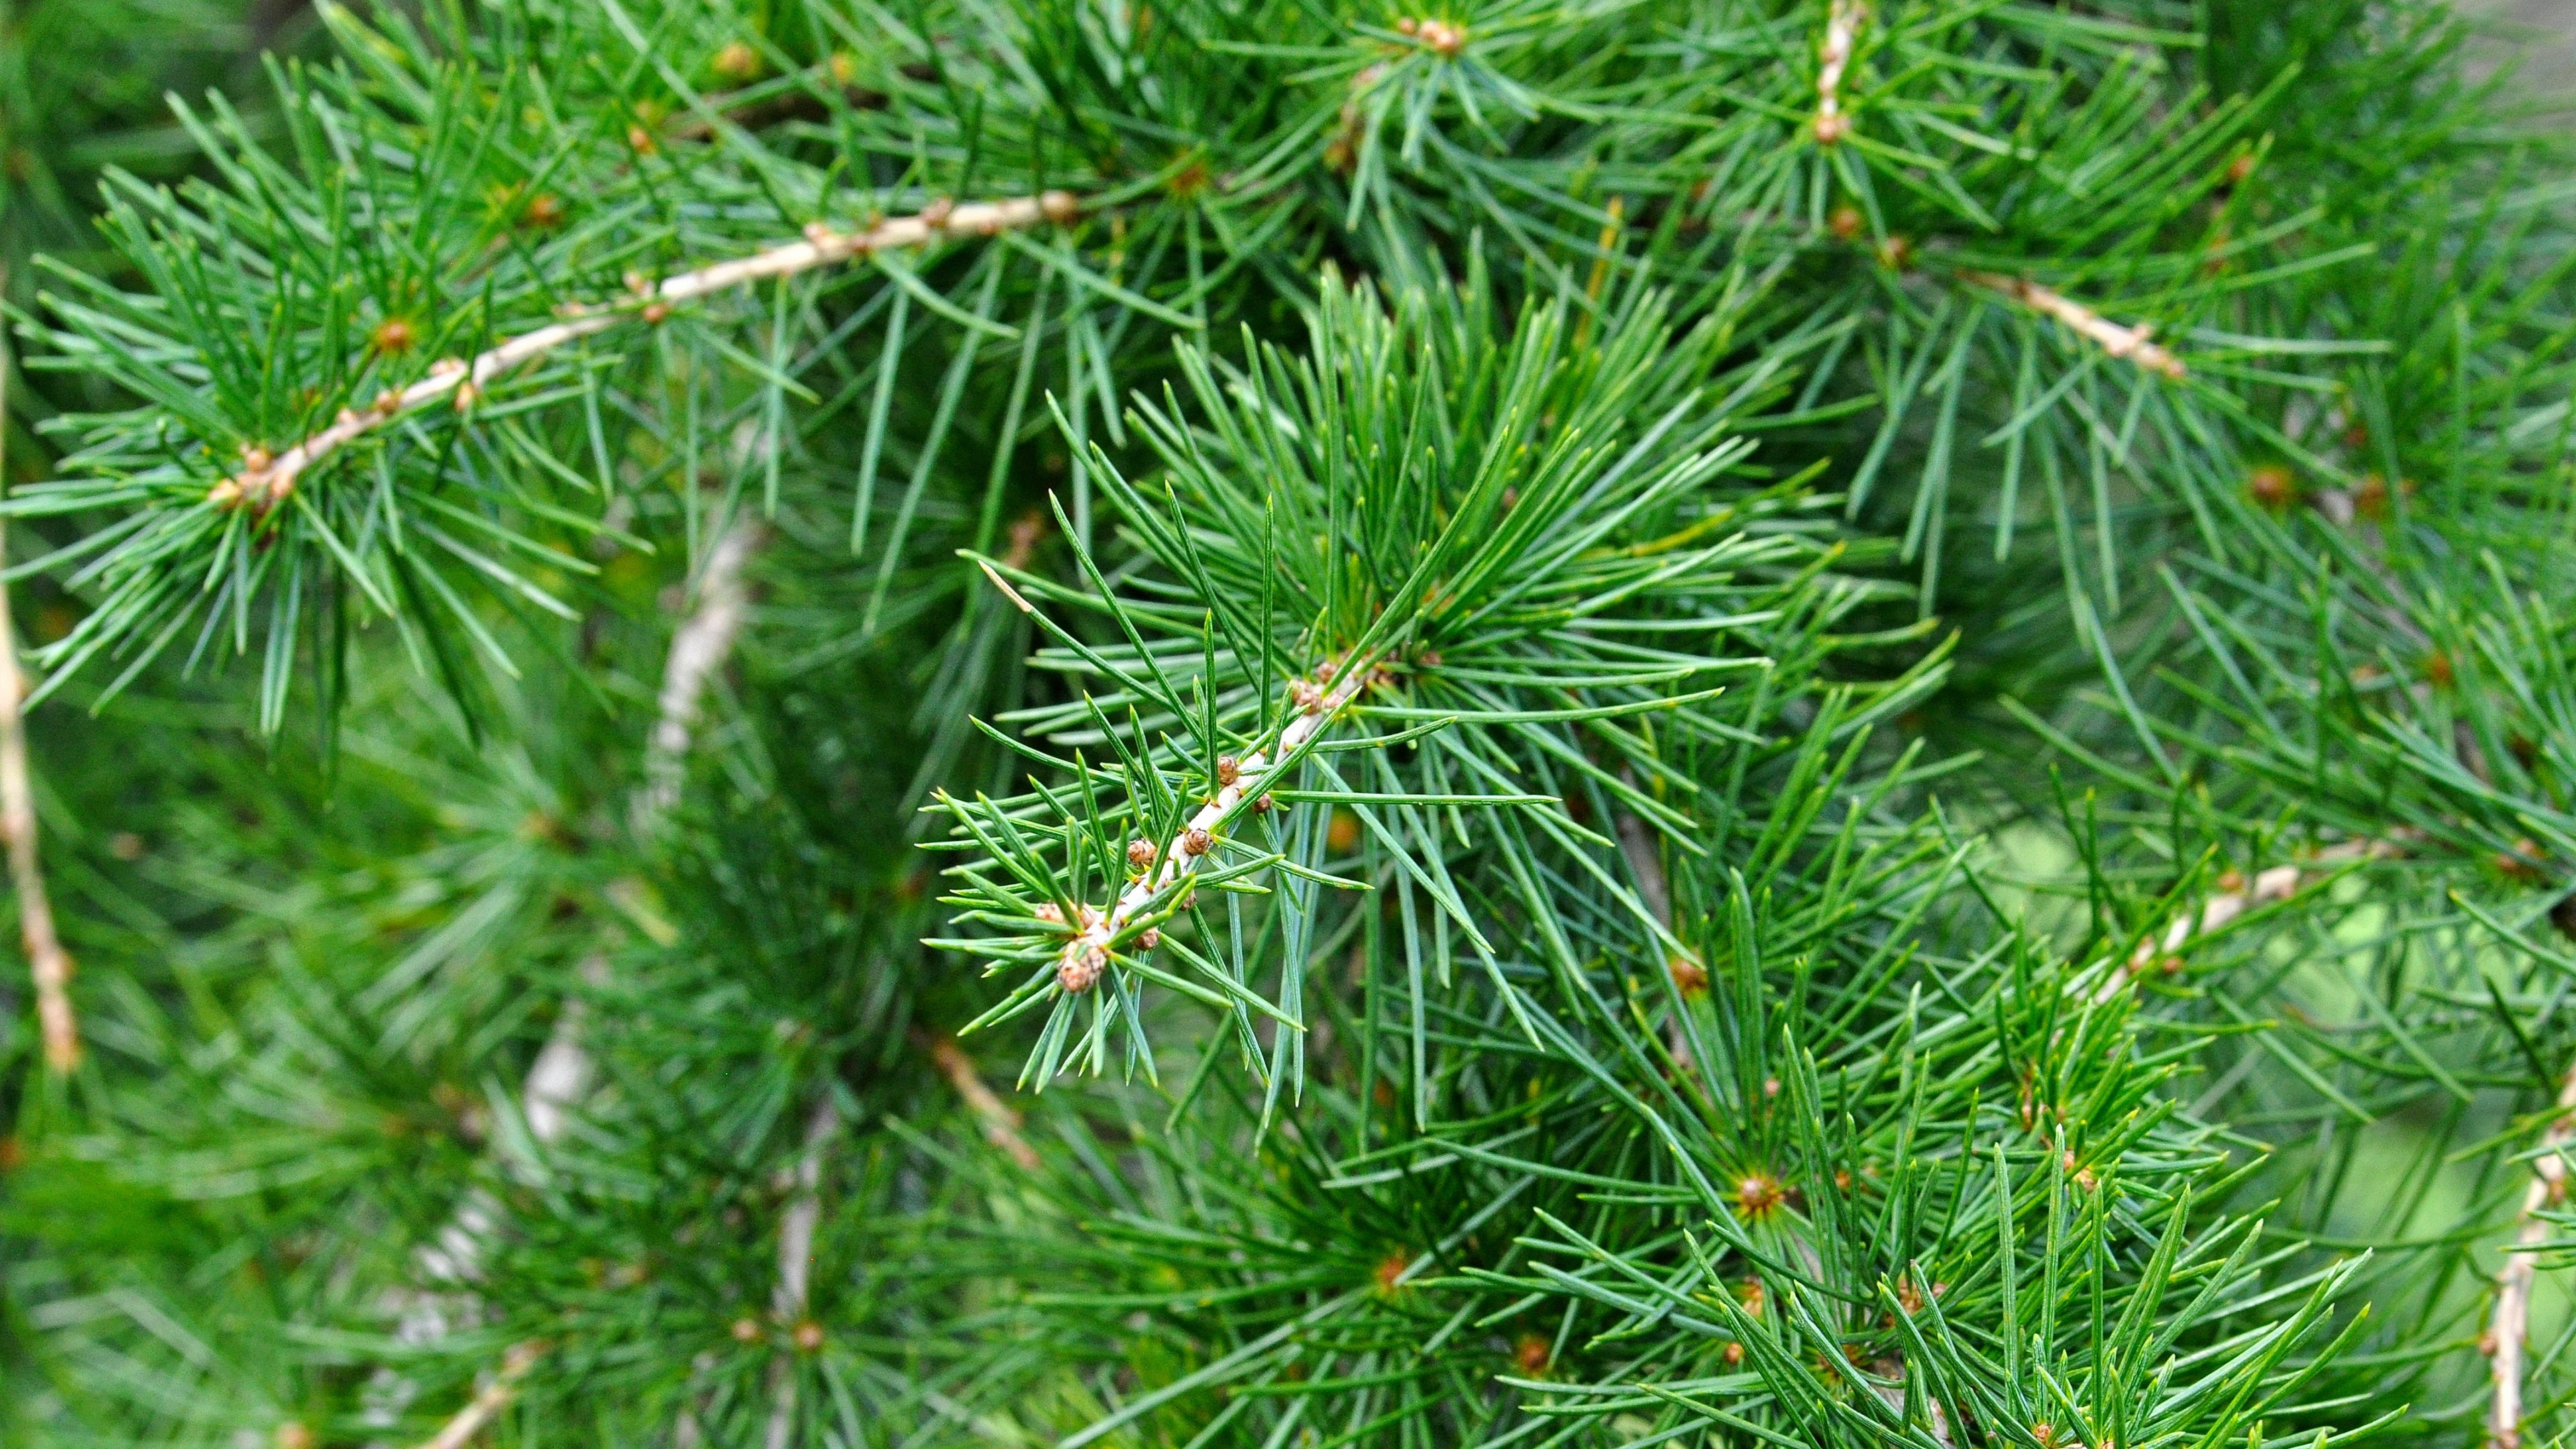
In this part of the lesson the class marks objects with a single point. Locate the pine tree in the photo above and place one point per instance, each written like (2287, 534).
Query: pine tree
(1254, 722)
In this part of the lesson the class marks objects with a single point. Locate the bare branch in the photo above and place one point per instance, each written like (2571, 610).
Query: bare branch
(2131, 343)
(2509, 1326)
(47, 961)
(266, 480)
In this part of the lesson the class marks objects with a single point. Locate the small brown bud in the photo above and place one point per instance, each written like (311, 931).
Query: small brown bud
(1149, 938)
(2437, 668)
(1049, 912)
(2240, 168)
(1531, 1355)
(393, 337)
(389, 402)
(1690, 977)
(1758, 1193)
(1060, 207)
(1195, 841)
(1897, 254)
(545, 209)
(1771, 1086)
(1140, 853)
(641, 141)
(2370, 500)
(1831, 127)
(1228, 769)
(1442, 38)
(935, 215)
(737, 61)
(1080, 969)
(1734, 1354)
(1264, 805)
(1407, 25)
(1845, 223)
(1842, 1179)
(656, 313)
(808, 1335)
(746, 1330)
(2272, 487)
(292, 1435)
(2085, 1179)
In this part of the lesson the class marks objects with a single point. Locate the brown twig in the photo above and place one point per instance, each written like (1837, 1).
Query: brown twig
(2130, 343)
(1842, 33)
(2509, 1325)
(1001, 1122)
(47, 961)
(266, 480)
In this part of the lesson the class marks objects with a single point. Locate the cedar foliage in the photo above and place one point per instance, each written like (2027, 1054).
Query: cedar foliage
(1272, 722)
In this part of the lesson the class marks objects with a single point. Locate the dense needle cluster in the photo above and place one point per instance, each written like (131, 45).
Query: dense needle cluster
(1288, 723)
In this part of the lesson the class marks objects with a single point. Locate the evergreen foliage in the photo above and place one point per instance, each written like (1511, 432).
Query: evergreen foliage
(1289, 723)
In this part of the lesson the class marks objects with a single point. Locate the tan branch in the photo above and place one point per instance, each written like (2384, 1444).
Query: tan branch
(1001, 1122)
(266, 480)
(2509, 1326)
(1842, 35)
(47, 961)
(2130, 343)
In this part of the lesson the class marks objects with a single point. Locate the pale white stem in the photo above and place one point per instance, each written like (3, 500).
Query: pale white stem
(2509, 1326)
(2132, 344)
(2215, 912)
(47, 962)
(796, 1230)
(698, 648)
(265, 481)
(1842, 35)
(1001, 1122)
(469, 1421)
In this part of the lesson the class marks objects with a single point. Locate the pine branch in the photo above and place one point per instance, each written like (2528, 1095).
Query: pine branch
(47, 961)
(2509, 1326)
(266, 481)
(2128, 343)
(1084, 957)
